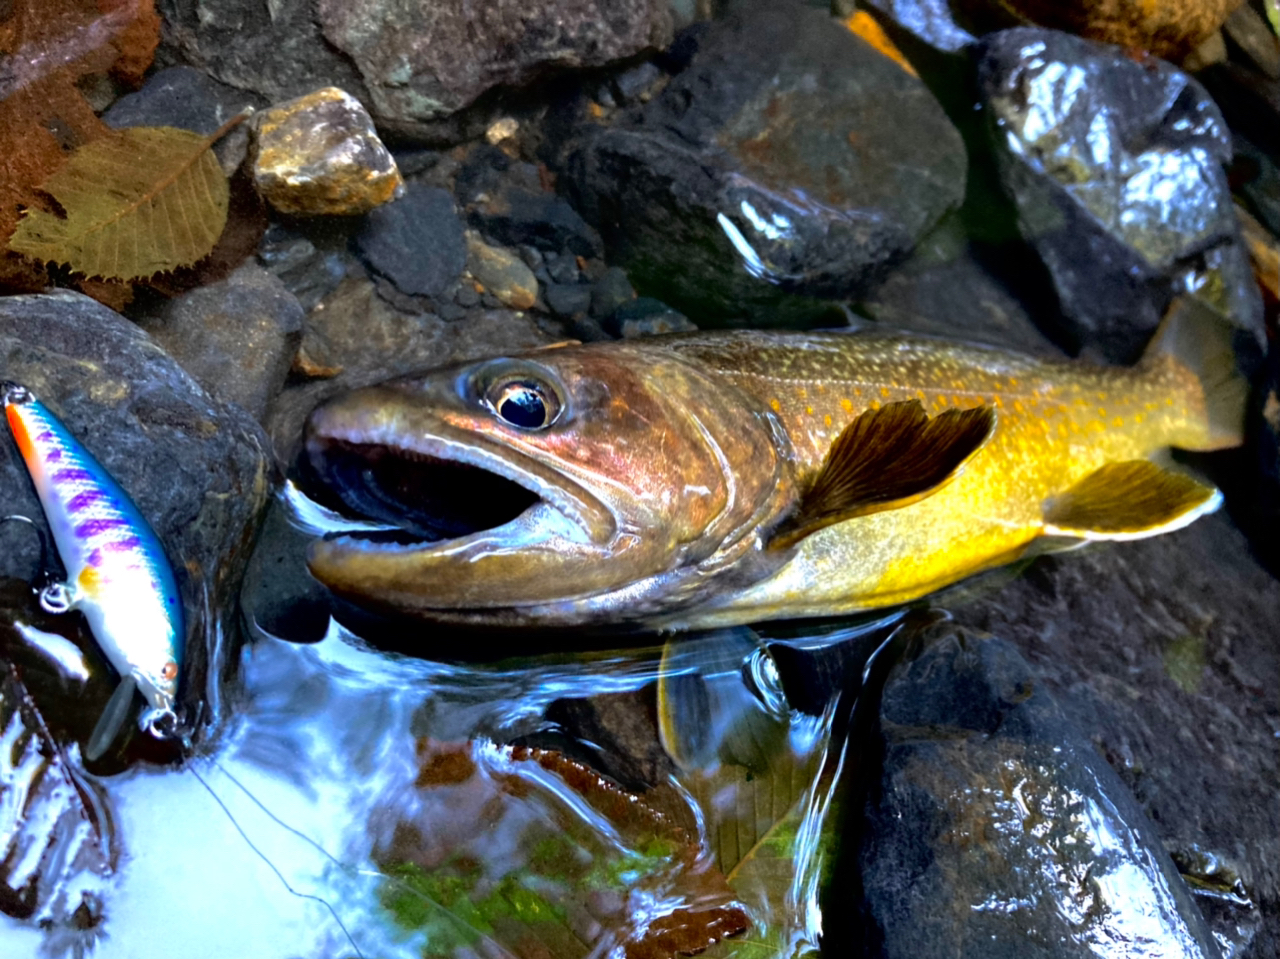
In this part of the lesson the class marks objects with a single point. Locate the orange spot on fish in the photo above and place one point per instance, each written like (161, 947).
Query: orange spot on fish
(827, 419)
(808, 410)
(775, 406)
(846, 406)
(884, 391)
(1117, 422)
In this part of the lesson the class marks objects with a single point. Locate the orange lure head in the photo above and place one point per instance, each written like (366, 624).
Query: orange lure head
(565, 486)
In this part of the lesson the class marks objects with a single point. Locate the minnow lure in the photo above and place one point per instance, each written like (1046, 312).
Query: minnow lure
(117, 573)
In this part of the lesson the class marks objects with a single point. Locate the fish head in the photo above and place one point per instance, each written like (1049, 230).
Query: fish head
(566, 486)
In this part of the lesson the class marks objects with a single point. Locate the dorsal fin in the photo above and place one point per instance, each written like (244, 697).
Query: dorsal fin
(1129, 500)
(884, 459)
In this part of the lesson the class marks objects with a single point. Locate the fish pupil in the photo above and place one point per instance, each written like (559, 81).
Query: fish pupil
(523, 407)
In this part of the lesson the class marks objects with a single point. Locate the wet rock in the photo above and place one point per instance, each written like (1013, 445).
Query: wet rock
(501, 273)
(1163, 653)
(996, 829)
(948, 288)
(180, 97)
(198, 469)
(320, 155)
(425, 60)
(236, 337)
(1169, 29)
(1116, 171)
(505, 199)
(409, 61)
(190, 100)
(929, 20)
(569, 299)
(308, 272)
(417, 242)
(805, 165)
(610, 292)
(645, 316)
(359, 338)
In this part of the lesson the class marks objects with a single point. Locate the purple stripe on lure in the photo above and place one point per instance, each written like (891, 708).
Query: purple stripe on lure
(73, 474)
(124, 545)
(53, 456)
(95, 557)
(95, 527)
(85, 499)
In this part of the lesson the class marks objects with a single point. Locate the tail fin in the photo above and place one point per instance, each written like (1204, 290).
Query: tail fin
(1197, 338)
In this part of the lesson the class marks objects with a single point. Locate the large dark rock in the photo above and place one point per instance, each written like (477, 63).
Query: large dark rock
(1116, 168)
(180, 97)
(198, 469)
(803, 165)
(417, 242)
(408, 61)
(236, 337)
(1164, 653)
(996, 830)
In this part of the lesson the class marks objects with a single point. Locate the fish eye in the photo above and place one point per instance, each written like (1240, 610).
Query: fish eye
(524, 403)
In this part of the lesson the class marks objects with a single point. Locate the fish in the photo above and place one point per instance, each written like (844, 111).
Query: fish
(118, 575)
(723, 478)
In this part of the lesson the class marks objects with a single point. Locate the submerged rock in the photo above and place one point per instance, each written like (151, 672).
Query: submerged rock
(805, 165)
(236, 337)
(1163, 653)
(1116, 171)
(997, 830)
(198, 469)
(501, 273)
(320, 155)
(417, 242)
(410, 61)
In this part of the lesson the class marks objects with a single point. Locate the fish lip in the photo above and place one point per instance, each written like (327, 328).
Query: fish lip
(592, 520)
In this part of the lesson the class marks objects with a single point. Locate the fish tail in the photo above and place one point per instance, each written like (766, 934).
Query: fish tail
(1194, 339)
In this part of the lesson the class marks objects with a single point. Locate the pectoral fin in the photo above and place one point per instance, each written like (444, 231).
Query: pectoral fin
(1129, 500)
(885, 459)
(112, 719)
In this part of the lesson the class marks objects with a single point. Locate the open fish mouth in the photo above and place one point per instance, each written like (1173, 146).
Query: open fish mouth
(433, 492)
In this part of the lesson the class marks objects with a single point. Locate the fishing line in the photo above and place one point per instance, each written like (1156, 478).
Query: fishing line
(263, 856)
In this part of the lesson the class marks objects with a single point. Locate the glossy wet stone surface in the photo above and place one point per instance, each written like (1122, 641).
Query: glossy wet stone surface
(1116, 170)
(763, 169)
(996, 829)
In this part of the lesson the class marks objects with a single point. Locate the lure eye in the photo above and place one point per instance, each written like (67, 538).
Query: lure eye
(170, 670)
(524, 403)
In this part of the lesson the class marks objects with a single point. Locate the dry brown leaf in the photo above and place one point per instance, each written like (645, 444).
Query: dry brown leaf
(138, 201)
(45, 47)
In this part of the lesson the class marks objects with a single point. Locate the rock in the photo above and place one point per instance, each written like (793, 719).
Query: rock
(180, 97)
(501, 273)
(929, 20)
(1163, 653)
(416, 242)
(1116, 171)
(610, 292)
(504, 198)
(409, 61)
(307, 272)
(806, 165)
(946, 288)
(198, 469)
(190, 100)
(1170, 29)
(996, 829)
(319, 155)
(645, 316)
(569, 299)
(236, 337)
(426, 60)
(360, 339)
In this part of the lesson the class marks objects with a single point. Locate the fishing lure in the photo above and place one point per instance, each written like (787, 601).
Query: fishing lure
(117, 573)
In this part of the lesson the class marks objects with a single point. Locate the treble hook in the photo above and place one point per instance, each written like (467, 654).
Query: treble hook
(54, 596)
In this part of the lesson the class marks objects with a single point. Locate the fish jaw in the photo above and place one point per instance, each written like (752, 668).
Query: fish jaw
(632, 498)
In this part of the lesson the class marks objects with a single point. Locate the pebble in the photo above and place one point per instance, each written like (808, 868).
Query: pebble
(417, 242)
(320, 155)
(569, 299)
(645, 316)
(501, 273)
(610, 292)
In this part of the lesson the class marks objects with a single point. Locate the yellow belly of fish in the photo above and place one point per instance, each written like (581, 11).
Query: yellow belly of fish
(985, 518)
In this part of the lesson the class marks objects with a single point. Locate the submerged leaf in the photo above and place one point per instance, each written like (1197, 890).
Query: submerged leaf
(515, 851)
(138, 201)
(1273, 14)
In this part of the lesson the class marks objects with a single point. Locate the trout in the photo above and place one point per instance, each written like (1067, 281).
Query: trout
(713, 479)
